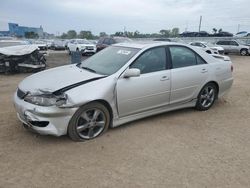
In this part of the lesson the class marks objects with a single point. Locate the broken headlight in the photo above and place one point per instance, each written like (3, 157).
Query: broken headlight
(46, 99)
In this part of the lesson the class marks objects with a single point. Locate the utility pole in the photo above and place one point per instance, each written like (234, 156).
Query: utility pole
(200, 24)
(238, 28)
(124, 30)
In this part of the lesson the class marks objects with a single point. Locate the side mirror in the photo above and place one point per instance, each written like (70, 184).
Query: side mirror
(132, 73)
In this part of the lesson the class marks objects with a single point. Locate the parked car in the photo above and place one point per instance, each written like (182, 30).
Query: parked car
(58, 45)
(82, 45)
(41, 45)
(107, 41)
(163, 39)
(21, 58)
(223, 34)
(242, 34)
(119, 84)
(233, 46)
(209, 48)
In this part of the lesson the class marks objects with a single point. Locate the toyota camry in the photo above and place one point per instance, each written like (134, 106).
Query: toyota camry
(119, 84)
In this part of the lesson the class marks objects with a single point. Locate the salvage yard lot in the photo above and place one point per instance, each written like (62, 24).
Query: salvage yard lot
(185, 148)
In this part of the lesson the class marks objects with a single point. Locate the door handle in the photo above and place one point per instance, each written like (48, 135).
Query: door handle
(204, 70)
(164, 78)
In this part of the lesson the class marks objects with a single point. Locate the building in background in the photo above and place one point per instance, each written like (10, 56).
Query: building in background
(19, 31)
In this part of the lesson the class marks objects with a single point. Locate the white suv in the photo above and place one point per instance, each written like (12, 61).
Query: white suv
(81, 45)
(209, 48)
(233, 46)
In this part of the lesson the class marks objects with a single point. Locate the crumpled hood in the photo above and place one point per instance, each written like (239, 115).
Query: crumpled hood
(18, 50)
(57, 78)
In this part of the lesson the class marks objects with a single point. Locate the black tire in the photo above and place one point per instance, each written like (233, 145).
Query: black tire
(243, 52)
(90, 125)
(204, 96)
(209, 52)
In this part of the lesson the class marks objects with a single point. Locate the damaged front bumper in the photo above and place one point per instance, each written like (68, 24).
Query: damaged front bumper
(44, 120)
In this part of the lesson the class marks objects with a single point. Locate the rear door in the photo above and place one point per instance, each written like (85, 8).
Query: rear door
(188, 73)
(234, 47)
(148, 91)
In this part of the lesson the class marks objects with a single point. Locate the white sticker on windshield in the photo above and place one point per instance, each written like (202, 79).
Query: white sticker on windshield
(124, 52)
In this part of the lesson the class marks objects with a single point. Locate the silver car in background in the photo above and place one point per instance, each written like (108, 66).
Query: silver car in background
(120, 84)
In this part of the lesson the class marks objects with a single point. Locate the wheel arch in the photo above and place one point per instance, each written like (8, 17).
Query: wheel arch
(108, 106)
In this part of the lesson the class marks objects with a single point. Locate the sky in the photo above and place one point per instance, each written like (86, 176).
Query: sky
(146, 16)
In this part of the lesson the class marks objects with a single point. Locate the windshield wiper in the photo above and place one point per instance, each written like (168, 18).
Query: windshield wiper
(89, 69)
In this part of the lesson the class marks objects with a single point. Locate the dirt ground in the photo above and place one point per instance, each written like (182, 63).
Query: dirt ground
(185, 148)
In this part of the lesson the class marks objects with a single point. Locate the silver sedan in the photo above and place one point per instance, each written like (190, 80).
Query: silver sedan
(120, 84)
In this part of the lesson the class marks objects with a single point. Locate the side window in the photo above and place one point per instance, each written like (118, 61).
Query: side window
(106, 41)
(222, 43)
(182, 57)
(200, 61)
(151, 61)
(112, 41)
(100, 40)
(233, 43)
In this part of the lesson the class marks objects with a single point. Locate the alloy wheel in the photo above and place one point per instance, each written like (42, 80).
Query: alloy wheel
(91, 123)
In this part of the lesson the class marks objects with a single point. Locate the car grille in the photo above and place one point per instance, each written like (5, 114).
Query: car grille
(90, 48)
(21, 94)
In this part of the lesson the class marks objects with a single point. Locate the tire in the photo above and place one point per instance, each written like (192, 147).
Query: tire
(243, 52)
(89, 122)
(209, 52)
(206, 97)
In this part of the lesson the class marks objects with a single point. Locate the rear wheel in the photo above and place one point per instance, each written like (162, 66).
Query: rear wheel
(89, 122)
(243, 52)
(206, 97)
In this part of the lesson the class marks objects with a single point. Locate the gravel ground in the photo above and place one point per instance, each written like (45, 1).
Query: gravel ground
(185, 148)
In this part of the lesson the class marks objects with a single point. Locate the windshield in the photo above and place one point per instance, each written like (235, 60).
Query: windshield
(109, 60)
(83, 42)
(122, 39)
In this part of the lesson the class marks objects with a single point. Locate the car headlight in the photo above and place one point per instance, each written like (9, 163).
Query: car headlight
(46, 99)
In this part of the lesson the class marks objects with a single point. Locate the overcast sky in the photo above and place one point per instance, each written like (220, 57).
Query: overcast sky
(146, 16)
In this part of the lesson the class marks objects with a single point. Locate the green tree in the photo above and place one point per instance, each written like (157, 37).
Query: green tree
(214, 30)
(165, 33)
(71, 34)
(102, 34)
(64, 36)
(175, 32)
(85, 35)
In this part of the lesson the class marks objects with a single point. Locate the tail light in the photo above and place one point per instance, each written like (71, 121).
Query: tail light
(232, 68)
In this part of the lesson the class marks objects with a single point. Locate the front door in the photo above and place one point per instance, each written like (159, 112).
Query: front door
(148, 91)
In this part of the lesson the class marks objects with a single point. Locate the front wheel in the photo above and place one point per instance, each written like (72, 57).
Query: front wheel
(89, 121)
(206, 97)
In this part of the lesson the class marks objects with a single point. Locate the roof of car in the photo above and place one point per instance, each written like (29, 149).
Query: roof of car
(146, 44)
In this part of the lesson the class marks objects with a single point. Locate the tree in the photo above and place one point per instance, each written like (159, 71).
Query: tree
(220, 30)
(119, 33)
(165, 33)
(85, 35)
(64, 36)
(214, 30)
(71, 34)
(31, 35)
(175, 32)
(102, 34)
